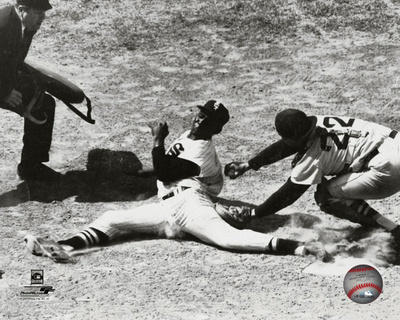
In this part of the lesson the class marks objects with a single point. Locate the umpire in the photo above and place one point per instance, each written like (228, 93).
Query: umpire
(18, 24)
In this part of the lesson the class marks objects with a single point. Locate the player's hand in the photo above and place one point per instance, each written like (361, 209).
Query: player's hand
(14, 100)
(236, 169)
(160, 132)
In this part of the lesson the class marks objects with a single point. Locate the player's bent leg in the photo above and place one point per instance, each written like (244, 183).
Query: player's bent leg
(354, 210)
(378, 182)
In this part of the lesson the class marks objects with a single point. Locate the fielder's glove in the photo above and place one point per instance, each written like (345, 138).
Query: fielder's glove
(236, 216)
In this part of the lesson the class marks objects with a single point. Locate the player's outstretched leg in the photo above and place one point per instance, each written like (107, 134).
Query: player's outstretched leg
(60, 251)
(90, 237)
(212, 229)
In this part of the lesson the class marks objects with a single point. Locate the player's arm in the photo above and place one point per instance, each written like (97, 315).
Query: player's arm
(168, 168)
(273, 153)
(282, 198)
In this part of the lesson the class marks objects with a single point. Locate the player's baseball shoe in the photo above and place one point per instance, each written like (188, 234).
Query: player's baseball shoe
(317, 249)
(237, 217)
(46, 248)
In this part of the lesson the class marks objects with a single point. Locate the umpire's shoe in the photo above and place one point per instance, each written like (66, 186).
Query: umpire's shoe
(237, 217)
(46, 248)
(37, 171)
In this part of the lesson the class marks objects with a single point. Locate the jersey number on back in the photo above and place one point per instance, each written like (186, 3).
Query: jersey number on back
(341, 144)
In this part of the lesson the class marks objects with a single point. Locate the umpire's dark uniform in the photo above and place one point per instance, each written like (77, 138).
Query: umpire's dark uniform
(37, 139)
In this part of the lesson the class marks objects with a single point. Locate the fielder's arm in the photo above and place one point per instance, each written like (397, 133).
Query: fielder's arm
(282, 198)
(273, 153)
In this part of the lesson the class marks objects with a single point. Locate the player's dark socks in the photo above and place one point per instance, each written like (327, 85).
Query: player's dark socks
(284, 246)
(358, 211)
(74, 242)
(87, 238)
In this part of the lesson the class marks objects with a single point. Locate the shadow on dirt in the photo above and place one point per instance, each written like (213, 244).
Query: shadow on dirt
(110, 176)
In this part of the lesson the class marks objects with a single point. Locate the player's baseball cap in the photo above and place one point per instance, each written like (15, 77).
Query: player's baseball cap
(216, 111)
(294, 126)
(36, 4)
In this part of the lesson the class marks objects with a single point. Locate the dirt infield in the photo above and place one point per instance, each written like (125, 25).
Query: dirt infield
(151, 60)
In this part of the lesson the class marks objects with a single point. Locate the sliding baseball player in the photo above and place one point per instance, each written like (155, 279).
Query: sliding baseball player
(189, 177)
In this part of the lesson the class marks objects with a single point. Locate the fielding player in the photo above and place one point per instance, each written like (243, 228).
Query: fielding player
(362, 160)
(189, 176)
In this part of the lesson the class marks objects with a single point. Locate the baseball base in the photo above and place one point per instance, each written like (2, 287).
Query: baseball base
(339, 267)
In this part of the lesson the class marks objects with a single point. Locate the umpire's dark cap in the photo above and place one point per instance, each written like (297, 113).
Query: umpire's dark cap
(294, 126)
(216, 111)
(36, 4)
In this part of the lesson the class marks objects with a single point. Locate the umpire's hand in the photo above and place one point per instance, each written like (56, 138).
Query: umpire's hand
(14, 101)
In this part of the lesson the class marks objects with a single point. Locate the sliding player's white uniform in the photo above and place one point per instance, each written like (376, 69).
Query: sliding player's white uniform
(186, 205)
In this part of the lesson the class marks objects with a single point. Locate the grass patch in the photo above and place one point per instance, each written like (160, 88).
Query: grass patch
(158, 24)
(372, 16)
(239, 22)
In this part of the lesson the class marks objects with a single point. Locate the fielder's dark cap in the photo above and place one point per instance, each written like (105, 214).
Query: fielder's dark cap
(294, 125)
(216, 111)
(36, 4)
